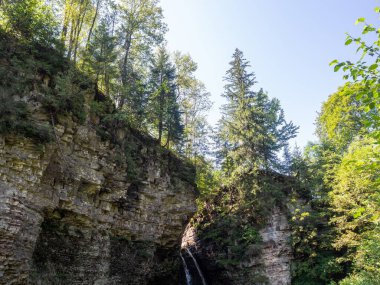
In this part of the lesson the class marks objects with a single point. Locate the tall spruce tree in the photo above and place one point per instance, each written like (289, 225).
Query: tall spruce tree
(163, 108)
(253, 126)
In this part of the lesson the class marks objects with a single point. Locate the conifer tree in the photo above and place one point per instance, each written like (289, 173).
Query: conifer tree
(100, 57)
(253, 126)
(163, 108)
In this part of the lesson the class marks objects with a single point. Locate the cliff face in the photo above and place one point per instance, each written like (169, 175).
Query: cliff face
(268, 263)
(79, 211)
(276, 254)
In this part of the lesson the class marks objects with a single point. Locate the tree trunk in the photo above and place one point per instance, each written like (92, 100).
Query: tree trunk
(127, 47)
(160, 119)
(70, 47)
(80, 22)
(93, 23)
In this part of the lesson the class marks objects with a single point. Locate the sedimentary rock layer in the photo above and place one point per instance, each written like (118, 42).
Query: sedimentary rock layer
(84, 211)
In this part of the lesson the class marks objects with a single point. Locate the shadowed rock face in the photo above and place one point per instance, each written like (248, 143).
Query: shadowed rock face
(271, 261)
(71, 213)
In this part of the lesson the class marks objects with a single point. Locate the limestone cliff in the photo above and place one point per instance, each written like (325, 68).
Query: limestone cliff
(72, 213)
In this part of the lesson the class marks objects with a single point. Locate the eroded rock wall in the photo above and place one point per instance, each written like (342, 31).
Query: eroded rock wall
(76, 212)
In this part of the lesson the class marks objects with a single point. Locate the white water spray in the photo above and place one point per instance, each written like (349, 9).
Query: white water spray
(197, 266)
(187, 272)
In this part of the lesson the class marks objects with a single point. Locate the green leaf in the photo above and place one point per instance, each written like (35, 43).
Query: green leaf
(377, 9)
(372, 105)
(373, 66)
(359, 212)
(359, 96)
(335, 61)
(360, 20)
(338, 66)
(349, 41)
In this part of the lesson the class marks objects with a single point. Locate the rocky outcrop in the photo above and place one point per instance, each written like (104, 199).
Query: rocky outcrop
(268, 264)
(276, 253)
(82, 210)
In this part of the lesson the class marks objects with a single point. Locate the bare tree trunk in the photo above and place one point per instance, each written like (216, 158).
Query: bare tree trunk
(80, 21)
(127, 47)
(93, 22)
(160, 124)
(66, 19)
(70, 47)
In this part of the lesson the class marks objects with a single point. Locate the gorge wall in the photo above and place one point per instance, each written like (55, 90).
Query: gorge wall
(81, 210)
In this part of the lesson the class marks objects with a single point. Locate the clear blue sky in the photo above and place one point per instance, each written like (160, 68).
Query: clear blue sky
(289, 43)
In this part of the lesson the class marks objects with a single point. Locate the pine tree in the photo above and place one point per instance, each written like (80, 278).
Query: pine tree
(253, 126)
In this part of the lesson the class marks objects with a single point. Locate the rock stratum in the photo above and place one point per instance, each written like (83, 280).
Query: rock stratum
(81, 210)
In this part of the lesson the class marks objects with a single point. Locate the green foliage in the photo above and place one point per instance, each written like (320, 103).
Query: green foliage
(24, 67)
(355, 196)
(335, 234)
(102, 49)
(163, 106)
(31, 21)
(207, 179)
(314, 257)
(236, 201)
(355, 201)
(68, 95)
(365, 71)
(253, 126)
(142, 30)
(231, 239)
(342, 117)
(366, 264)
(194, 103)
(100, 57)
(229, 218)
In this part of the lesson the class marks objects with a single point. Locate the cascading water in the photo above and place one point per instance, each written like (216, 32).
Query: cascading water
(187, 272)
(197, 266)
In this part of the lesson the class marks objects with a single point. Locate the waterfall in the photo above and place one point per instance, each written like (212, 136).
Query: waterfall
(197, 266)
(187, 272)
